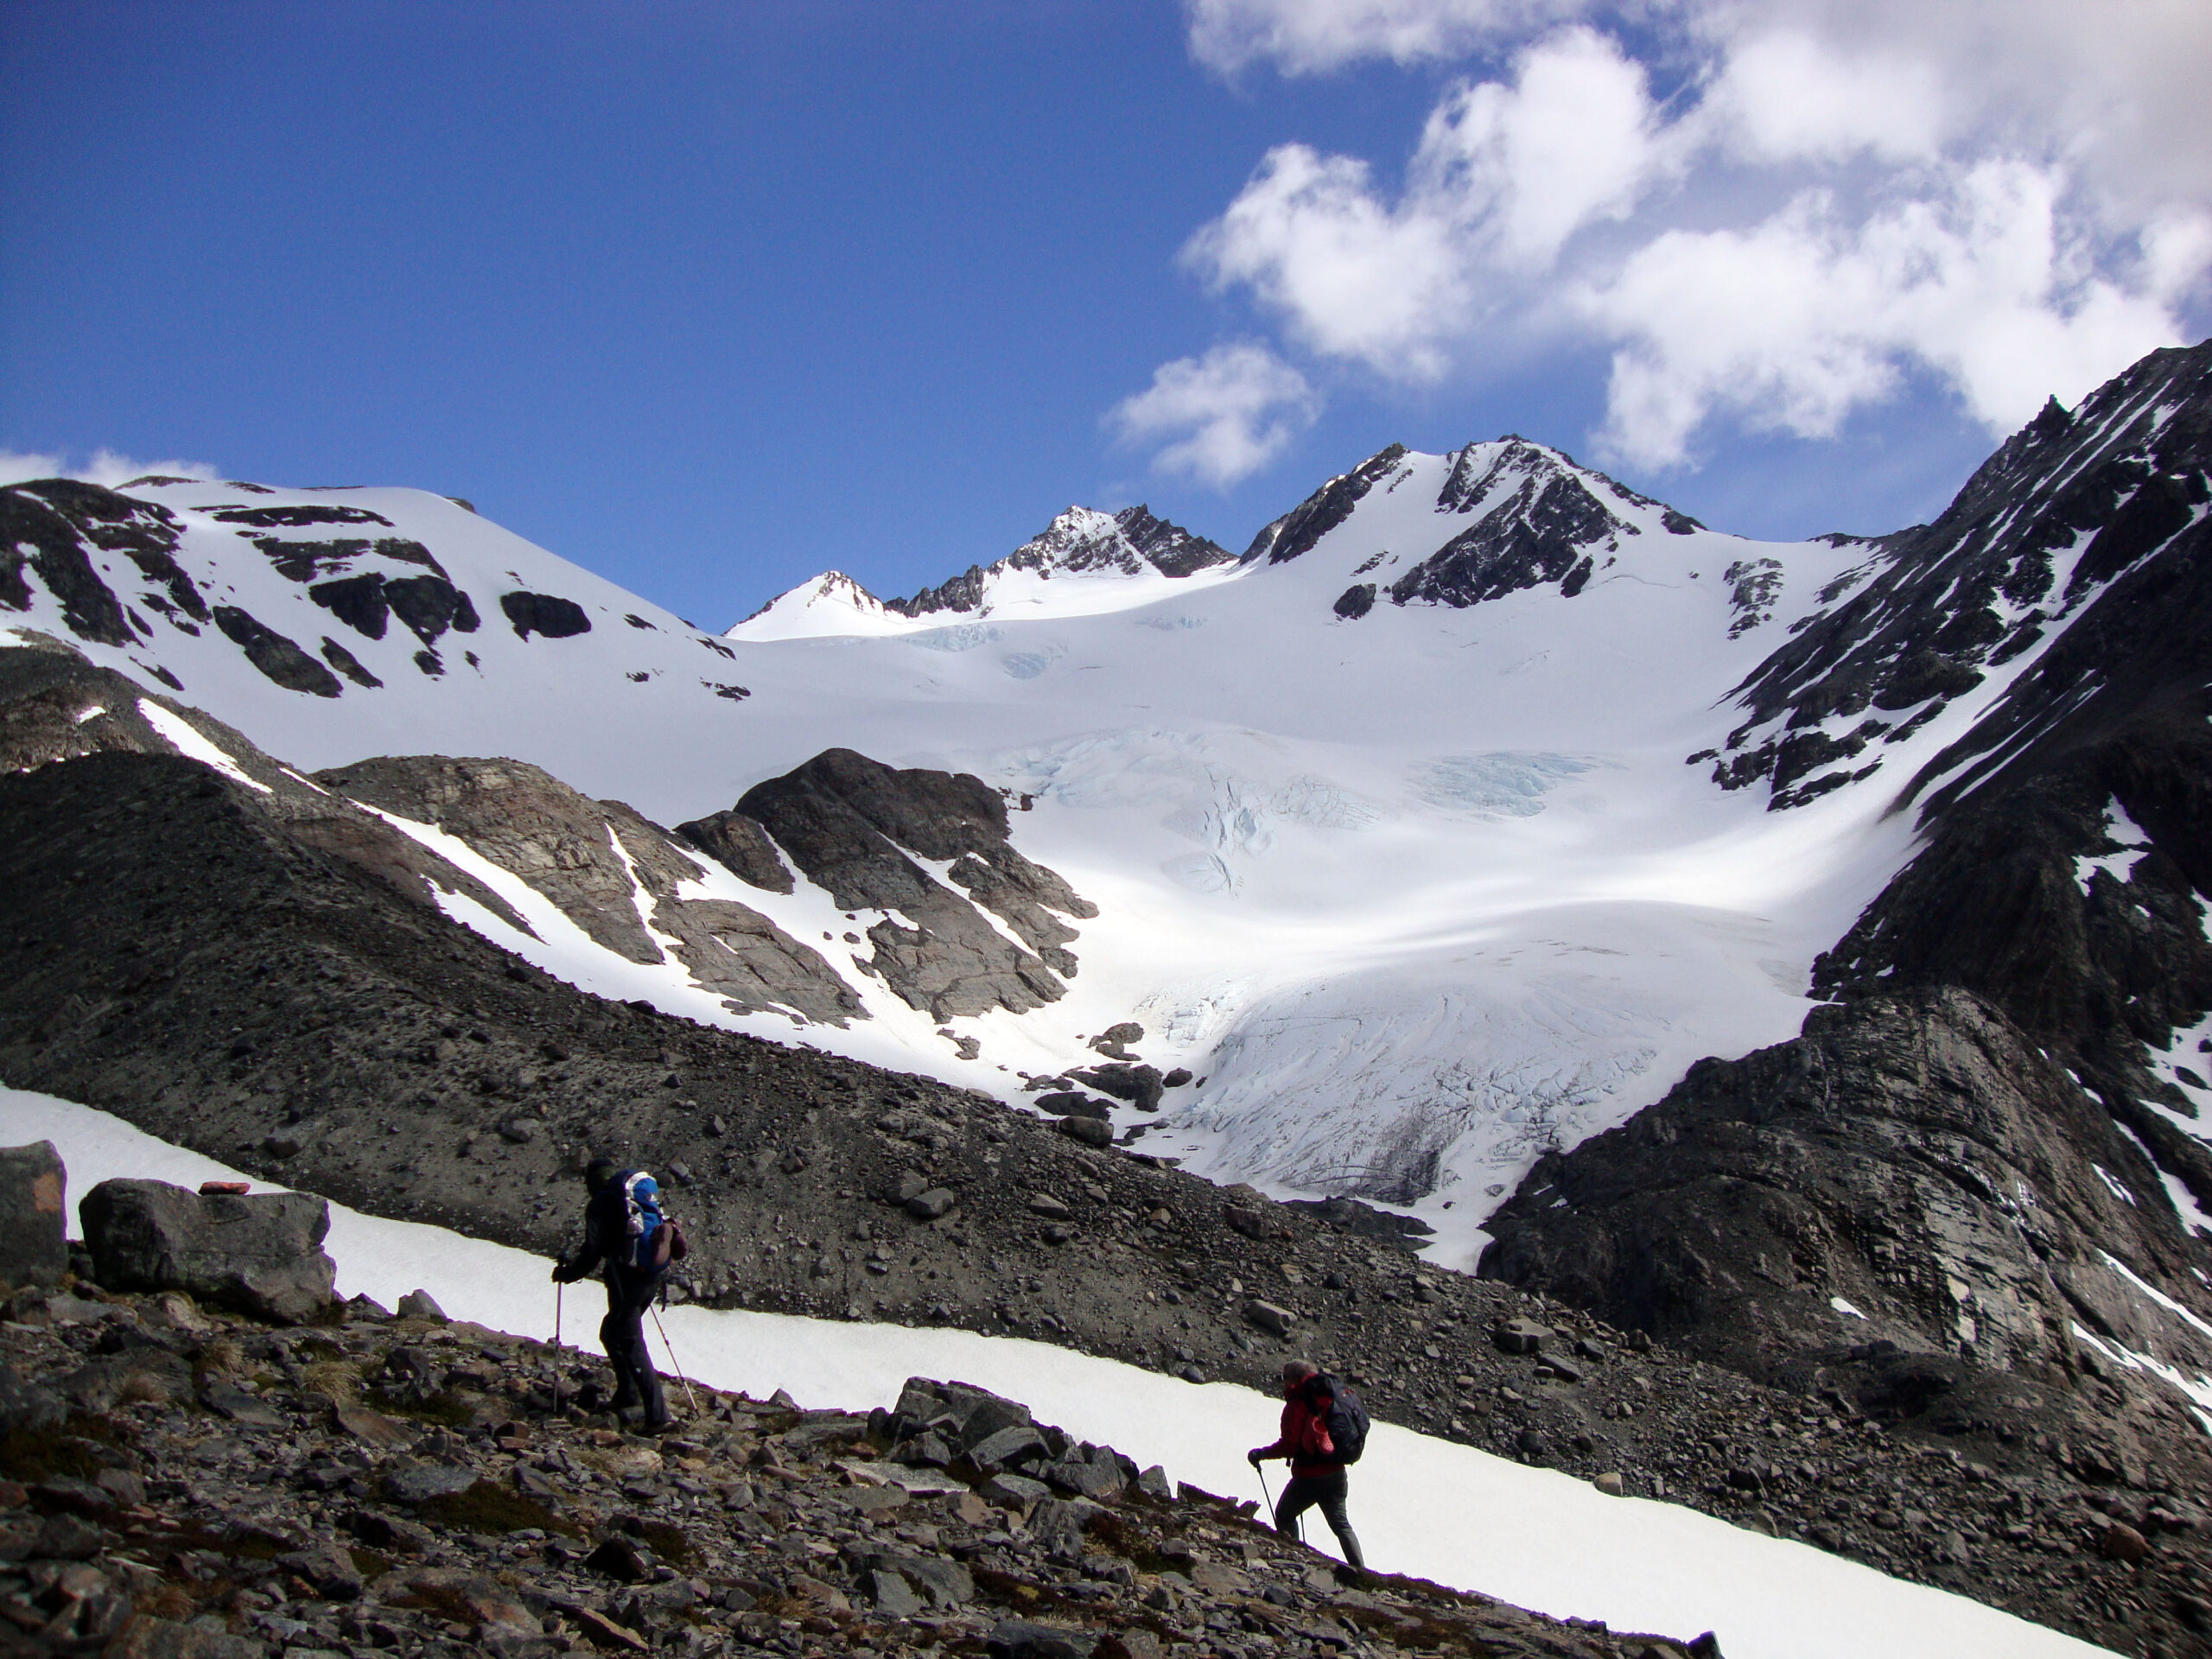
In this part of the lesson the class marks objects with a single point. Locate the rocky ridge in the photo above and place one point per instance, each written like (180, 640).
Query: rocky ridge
(2090, 524)
(629, 883)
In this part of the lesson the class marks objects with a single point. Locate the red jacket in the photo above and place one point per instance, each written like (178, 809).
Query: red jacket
(1303, 1439)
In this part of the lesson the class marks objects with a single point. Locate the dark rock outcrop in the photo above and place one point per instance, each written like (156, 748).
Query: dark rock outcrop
(1365, 1219)
(1547, 527)
(1912, 1154)
(297, 517)
(1298, 530)
(53, 525)
(1140, 1085)
(849, 823)
(33, 1219)
(545, 613)
(430, 605)
(741, 846)
(274, 655)
(260, 1253)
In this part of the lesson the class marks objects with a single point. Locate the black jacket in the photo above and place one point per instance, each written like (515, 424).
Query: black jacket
(606, 1240)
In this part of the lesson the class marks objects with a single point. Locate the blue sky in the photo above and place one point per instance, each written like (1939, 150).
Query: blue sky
(712, 297)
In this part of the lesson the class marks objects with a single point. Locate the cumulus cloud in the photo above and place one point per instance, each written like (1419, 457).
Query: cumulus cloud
(1218, 418)
(2015, 198)
(105, 468)
(1807, 316)
(1301, 37)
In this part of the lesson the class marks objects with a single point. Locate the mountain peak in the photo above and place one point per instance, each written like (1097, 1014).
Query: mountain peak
(829, 603)
(1080, 541)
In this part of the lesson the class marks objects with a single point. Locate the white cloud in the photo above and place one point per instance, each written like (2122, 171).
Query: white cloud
(1221, 417)
(2015, 198)
(17, 466)
(2115, 92)
(1310, 36)
(1796, 322)
(1571, 141)
(1788, 96)
(1353, 276)
(105, 468)
(1503, 177)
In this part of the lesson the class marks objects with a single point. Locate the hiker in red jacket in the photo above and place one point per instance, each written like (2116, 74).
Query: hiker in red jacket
(1317, 1472)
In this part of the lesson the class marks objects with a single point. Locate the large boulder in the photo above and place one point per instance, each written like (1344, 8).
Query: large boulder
(34, 1249)
(261, 1255)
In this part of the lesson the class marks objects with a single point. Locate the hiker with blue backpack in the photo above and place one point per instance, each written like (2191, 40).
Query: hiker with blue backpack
(1324, 1430)
(628, 1237)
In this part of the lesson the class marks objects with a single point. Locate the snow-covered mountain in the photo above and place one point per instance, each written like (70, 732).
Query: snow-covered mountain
(1387, 822)
(1795, 952)
(1084, 560)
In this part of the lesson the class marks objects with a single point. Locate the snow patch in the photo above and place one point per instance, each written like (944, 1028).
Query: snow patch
(2118, 1190)
(191, 742)
(2133, 843)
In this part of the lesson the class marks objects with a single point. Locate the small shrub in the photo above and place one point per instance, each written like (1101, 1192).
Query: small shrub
(446, 1410)
(338, 1378)
(489, 1507)
(665, 1540)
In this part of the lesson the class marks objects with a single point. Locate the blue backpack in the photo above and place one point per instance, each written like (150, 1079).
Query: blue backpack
(654, 1240)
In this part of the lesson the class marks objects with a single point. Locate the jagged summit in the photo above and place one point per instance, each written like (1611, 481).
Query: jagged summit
(1535, 516)
(1081, 541)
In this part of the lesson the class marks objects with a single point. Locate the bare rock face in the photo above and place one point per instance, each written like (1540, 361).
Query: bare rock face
(34, 1249)
(261, 1255)
(1910, 1204)
(741, 847)
(1298, 531)
(1544, 525)
(599, 861)
(855, 827)
(55, 706)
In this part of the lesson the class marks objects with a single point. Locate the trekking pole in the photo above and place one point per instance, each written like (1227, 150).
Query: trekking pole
(558, 1288)
(672, 1365)
(1261, 1469)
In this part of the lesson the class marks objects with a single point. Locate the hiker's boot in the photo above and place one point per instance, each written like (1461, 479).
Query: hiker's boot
(654, 1402)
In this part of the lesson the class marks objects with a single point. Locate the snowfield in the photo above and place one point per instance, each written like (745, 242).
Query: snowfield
(1416, 896)
(1428, 1506)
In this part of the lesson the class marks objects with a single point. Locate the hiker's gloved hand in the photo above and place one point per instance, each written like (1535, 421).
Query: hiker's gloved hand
(561, 1274)
(1254, 1455)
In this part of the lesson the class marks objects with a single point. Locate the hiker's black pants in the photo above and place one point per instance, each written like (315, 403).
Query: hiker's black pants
(1327, 1493)
(622, 1333)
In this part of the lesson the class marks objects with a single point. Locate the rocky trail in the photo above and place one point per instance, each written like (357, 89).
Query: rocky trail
(185, 1480)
